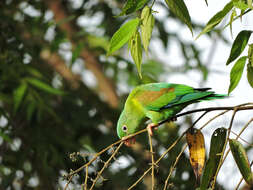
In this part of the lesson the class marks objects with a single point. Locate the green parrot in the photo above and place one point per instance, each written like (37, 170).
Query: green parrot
(157, 102)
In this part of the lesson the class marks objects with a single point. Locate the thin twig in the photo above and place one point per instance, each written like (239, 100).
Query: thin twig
(173, 167)
(105, 166)
(153, 161)
(158, 160)
(86, 177)
(69, 180)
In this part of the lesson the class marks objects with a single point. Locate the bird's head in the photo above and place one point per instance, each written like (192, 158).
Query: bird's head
(127, 125)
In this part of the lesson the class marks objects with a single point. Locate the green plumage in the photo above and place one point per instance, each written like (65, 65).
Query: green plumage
(158, 101)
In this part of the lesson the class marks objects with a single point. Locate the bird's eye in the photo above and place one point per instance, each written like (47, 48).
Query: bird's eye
(124, 128)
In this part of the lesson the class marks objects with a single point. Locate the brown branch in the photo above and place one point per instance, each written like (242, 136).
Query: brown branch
(153, 162)
(104, 83)
(55, 61)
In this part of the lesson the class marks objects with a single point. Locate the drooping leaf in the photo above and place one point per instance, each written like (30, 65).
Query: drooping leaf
(136, 51)
(216, 19)
(18, 96)
(241, 160)
(132, 6)
(123, 35)
(196, 144)
(239, 44)
(236, 73)
(179, 8)
(44, 86)
(216, 148)
(147, 25)
(250, 65)
(233, 14)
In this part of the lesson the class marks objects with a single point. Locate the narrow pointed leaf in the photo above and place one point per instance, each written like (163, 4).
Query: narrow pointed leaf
(233, 14)
(216, 148)
(132, 6)
(236, 73)
(147, 25)
(239, 44)
(136, 51)
(250, 65)
(241, 160)
(196, 144)
(18, 96)
(179, 8)
(123, 35)
(44, 86)
(216, 19)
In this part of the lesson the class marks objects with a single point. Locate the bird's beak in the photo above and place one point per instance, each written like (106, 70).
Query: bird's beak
(129, 142)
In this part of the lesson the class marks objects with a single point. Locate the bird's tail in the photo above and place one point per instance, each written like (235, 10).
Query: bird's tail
(215, 96)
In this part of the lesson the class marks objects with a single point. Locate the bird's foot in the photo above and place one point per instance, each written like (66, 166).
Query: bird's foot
(149, 128)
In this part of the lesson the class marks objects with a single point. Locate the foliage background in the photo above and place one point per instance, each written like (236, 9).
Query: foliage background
(59, 93)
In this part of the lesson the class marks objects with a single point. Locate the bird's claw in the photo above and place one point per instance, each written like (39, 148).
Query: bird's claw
(149, 128)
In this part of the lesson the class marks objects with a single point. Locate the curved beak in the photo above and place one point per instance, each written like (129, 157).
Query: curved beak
(129, 142)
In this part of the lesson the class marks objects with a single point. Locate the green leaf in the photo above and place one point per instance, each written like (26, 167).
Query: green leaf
(241, 160)
(43, 86)
(236, 73)
(233, 14)
(250, 65)
(250, 54)
(18, 96)
(216, 19)
(239, 44)
(179, 8)
(240, 5)
(123, 35)
(136, 51)
(132, 6)
(147, 25)
(217, 145)
(250, 74)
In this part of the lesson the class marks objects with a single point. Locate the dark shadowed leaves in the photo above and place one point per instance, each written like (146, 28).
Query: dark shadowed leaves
(44, 86)
(239, 44)
(216, 148)
(18, 96)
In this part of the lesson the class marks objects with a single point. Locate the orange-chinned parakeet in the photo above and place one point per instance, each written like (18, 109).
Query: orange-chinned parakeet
(157, 102)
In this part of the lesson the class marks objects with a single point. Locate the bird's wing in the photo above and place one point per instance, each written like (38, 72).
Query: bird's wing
(159, 96)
